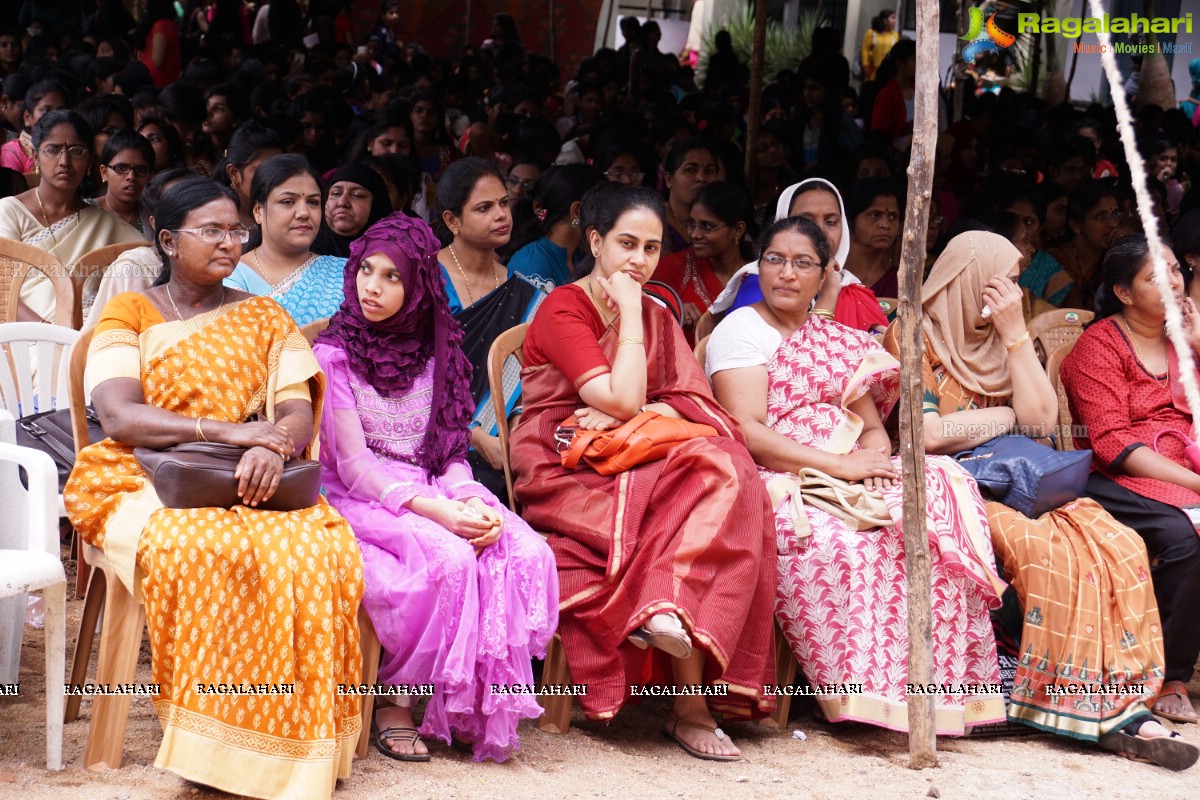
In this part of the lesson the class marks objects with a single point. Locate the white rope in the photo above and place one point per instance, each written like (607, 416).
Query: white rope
(1137, 174)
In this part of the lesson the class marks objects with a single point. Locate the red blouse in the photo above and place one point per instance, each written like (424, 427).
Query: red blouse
(1118, 406)
(574, 346)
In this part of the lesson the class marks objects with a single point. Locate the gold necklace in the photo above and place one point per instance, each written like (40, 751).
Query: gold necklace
(599, 308)
(38, 194)
(132, 219)
(675, 220)
(463, 272)
(1138, 351)
(172, 299)
(258, 265)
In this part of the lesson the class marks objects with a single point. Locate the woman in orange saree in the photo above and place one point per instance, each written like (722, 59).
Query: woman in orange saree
(238, 600)
(668, 553)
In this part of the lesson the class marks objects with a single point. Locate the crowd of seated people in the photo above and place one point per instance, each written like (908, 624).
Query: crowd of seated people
(421, 207)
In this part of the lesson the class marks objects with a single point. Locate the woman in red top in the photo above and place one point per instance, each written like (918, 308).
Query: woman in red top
(160, 50)
(718, 223)
(678, 554)
(893, 109)
(1122, 380)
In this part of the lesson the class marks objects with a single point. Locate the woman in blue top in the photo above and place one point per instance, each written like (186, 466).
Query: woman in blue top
(484, 298)
(550, 259)
(286, 198)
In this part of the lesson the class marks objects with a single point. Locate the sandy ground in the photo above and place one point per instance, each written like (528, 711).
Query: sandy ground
(628, 758)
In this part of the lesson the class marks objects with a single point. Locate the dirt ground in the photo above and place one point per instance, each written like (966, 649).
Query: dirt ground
(628, 758)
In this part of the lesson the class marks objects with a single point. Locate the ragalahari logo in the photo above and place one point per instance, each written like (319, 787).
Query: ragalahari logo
(987, 38)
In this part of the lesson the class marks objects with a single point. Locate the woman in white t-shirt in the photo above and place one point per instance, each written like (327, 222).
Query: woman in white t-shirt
(811, 395)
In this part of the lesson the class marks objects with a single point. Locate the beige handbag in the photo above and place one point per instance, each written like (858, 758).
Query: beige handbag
(849, 502)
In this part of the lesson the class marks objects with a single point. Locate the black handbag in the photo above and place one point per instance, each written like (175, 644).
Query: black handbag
(1026, 475)
(51, 432)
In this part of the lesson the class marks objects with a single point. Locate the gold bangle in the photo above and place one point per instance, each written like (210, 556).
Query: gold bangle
(200, 431)
(629, 341)
(824, 313)
(1024, 338)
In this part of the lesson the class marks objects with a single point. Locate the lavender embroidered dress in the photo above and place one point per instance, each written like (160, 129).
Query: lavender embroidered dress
(442, 614)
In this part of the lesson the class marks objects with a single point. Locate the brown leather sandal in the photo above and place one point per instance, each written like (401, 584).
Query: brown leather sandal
(1171, 751)
(1174, 689)
(673, 724)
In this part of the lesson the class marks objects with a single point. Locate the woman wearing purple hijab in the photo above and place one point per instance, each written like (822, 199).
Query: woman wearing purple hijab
(460, 590)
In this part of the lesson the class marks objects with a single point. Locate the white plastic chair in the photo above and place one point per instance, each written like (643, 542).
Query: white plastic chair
(32, 371)
(29, 561)
(34, 367)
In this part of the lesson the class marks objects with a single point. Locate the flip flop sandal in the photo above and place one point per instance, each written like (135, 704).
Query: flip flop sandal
(674, 642)
(1171, 751)
(673, 724)
(409, 735)
(1173, 689)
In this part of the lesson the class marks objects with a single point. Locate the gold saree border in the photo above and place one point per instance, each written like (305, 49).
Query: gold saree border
(244, 762)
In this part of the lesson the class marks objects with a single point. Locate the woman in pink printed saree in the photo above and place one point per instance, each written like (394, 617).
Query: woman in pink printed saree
(810, 395)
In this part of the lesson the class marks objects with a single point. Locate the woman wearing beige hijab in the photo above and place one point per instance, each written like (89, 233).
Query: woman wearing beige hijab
(1083, 579)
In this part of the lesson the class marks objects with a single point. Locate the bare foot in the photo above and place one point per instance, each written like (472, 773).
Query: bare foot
(1152, 729)
(400, 742)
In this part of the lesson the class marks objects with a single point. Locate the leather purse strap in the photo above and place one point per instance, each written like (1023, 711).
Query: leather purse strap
(621, 435)
(1186, 440)
(45, 434)
(582, 439)
(579, 443)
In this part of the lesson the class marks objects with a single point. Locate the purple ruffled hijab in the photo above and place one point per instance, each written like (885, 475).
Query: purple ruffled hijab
(391, 354)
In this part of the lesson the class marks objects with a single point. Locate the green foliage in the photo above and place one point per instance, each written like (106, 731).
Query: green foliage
(784, 49)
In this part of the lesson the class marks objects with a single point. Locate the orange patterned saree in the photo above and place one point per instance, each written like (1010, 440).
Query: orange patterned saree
(252, 614)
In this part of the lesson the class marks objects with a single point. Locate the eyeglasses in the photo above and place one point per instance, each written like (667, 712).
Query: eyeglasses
(803, 266)
(1105, 216)
(75, 151)
(525, 183)
(623, 175)
(214, 235)
(140, 170)
(704, 227)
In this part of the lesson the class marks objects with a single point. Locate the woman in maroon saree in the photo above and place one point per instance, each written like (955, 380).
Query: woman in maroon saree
(671, 553)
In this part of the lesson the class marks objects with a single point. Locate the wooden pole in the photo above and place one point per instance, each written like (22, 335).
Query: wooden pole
(1075, 57)
(922, 737)
(1037, 53)
(959, 70)
(756, 87)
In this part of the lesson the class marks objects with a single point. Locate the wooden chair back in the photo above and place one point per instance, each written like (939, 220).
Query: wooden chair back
(510, 344)
(78, 392)
(1065, 439)
(34, 364)
(702, 351)
(705, 325)
(88, 272)
(1052, 329)
(18, 259)
(312, 329)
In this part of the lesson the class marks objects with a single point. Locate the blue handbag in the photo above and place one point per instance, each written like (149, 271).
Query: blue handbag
(1027, 476)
